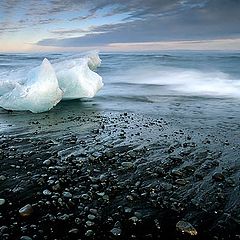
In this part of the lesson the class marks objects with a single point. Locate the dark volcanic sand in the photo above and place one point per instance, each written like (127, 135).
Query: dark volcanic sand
(121, 175)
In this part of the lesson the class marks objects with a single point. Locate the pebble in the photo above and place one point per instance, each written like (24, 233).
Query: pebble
(67, 194)
(25, 238)
(217, 176)
(46, 192)
(3, 229)
(89, 233)
(89, 223)
(2, 201)
(2, 178)
(127, 210)
(134, 220)
(26, 210)
(177, 173)
(73, 231)
(186, 227)
(91, 217)
(181, 182)
(47, 162)
(93, 211)
(116, 231)
(56, 187)
(127, 165)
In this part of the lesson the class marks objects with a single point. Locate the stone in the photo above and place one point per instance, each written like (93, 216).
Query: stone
(2, 201)
(89, 233)
(26, 211)
(91, 217)
(181, 182)
(47, 162)
(127, 165)
(2, 178)
(67, 194)
(73, 231)
(177, 173)
(46, 192)
(186, 227)
(89, 223)
(25, 238)
(93, 211)
(116, 231)
(217, 176)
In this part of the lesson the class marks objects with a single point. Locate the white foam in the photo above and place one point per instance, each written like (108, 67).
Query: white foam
(186, 81)
(39, 93)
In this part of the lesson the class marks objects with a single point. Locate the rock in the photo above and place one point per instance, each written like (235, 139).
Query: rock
(67, 194)
(46, 192)
(93, 211)
(2, 178)
(116, 231)
(103, 177)
(217, 176)
(3, 229)
(91, 217)
(105, 197)
(64, 217)
(177, 173)
(134, 220)
(181, 182)
(85, 196)
(56, 187)
(127, 165)
(89, 223)
(89, 233)
(26, 211)
(186, 227)
(127, 210)
(2, 201)
(47, 162)
(73, 231)
(25, 238)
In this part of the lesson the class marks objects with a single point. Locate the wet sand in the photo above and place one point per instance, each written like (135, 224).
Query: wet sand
(94, 174)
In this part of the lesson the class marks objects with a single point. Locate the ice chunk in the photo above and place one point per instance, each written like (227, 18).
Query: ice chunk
(76, 79)
(38, 93)
(6, 86)
(94, 61)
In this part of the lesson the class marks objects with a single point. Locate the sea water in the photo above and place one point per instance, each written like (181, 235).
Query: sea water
(146, 81)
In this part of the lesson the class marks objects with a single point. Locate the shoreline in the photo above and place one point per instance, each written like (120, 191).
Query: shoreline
(121, 175)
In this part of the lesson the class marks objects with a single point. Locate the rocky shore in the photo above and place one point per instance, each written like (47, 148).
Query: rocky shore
(119, 175)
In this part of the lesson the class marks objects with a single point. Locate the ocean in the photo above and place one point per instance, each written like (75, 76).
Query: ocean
(152, 79)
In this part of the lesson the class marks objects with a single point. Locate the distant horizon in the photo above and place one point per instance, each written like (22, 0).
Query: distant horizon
(202, 45)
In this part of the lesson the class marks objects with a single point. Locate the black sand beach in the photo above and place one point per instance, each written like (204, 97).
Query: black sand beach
(78, 172)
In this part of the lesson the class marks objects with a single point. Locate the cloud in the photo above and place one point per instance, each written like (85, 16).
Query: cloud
(141, 21)
(162, 21)
(218, 44)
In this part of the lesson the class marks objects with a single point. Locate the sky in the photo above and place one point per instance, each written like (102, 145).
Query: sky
(119, 25)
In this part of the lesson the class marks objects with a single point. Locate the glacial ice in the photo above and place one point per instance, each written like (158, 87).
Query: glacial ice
(48, 84)
(76, 79)
(39, 93)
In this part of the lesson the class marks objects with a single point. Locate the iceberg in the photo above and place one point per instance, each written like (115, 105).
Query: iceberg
(48, 84)
(38, 93)
(76, 78)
